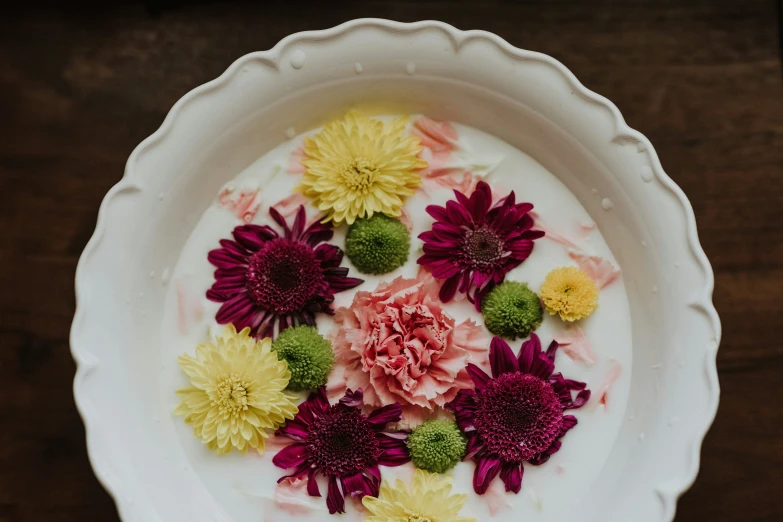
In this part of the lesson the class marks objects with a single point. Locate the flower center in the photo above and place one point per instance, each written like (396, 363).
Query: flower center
(518, 416)
(359, 174)
(230, 396)
(409, 516)
(284, 276)
(342, 442)
(482, 248)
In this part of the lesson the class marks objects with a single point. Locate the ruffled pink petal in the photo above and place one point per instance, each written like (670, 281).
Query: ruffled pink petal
(553, 235)
(601, 395)
(597, 268)
(295, 161)
(438, 136)
(497, 498)
(243, 203)
(405, 219)
(577, 346)
(289, 205)
(289, 497)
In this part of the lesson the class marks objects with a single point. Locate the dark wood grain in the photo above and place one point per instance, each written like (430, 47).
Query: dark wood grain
(79, 89)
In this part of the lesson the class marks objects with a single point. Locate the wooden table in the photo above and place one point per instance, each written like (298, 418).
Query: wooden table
(79, 90)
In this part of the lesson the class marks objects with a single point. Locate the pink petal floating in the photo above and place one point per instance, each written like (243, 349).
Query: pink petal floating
(243, 203)
(577, 346)
(289, 205)
(596, 267)
(438, 136)
(290, 496)
(601, 395)
(182, 313)
(585, 229)
(295, 161)
(336, 382)
(496, 498)
(190, 309)
(551, 234)
(405, 219)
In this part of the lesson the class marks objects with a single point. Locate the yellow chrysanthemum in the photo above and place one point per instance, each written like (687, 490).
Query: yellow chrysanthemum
(236, 392)
(428, 500)
(568, 291)
(358, 166)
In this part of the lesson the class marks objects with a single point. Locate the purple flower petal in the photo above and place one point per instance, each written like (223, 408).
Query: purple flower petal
(511, 475)
(581, 399)
(552, 350)
(280, 220)
(445, 271)
(487, 468)
(334, 497)
(474, 446)
(437, 212)
(352, 399)
(386, 414)
(355, 486)
(528, 353)
(291, 456)
(448, 289)
(569, 421)
(501, 358)
(253, 237)
(478, 376)
(312, 484)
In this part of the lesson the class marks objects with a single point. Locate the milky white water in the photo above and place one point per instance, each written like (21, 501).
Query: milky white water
(243, 485)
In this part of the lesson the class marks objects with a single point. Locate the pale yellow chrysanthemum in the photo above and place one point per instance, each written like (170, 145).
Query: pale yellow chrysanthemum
(358, 166)
(568, 291)
(428, 500)
(236, 393)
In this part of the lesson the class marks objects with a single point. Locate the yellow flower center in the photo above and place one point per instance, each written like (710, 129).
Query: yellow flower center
(230, 396)
(412, 517)
(359, 174)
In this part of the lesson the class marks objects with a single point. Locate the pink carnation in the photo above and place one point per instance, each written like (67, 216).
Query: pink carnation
(399, 345)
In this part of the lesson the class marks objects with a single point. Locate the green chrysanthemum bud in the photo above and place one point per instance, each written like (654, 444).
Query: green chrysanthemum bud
(308, 354)
(436, 445)
(512, 310)
(377, 245)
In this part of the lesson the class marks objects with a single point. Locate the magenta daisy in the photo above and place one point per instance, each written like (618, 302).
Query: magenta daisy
(473, 244)
(342, 444)
(262, 276)
(517, 415)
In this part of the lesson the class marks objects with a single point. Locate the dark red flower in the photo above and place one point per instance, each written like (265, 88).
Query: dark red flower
(516, 415)
(474, 244)
(262, 276)
(342, 444)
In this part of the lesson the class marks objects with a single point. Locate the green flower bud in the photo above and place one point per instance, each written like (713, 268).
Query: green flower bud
(308, 354)
(377, 245)
(436, 445)
(512, 310)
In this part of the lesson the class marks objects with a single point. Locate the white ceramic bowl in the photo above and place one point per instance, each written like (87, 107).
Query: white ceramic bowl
(528, 99)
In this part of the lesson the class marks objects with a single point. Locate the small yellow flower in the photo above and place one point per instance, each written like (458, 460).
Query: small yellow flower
(358, 166)
(428, 500)
(236, 392)
(568, 291)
